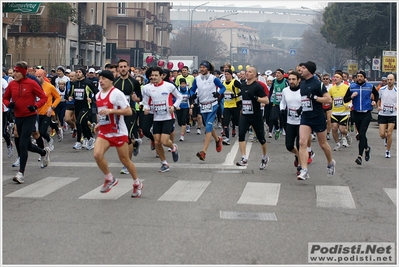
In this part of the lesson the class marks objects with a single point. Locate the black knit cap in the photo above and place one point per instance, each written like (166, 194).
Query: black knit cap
(107, 74)
(280, 70)
(362, 72)
(83, 70)
(311, 66)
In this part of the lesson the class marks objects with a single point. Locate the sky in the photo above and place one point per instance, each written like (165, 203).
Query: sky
(288, 4)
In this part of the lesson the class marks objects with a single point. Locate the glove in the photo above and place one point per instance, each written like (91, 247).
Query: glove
(215, 94)
(11, 105)
(193, 97)
(311, 96)
(32, 108)
(299, 111)
(283, 112)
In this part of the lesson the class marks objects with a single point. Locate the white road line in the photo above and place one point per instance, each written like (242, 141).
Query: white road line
(123, 186)
(230, 158)
(260, 194)
(329, 196)
(391, 192)
(43, 187)
(185, 191)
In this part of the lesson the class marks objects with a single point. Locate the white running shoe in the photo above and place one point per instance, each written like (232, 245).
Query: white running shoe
(18, 178)
(181, 138)
(84, 142)
(90, 143)
(77, 146)
(198, 131)
(51, 144)
(303, 175)
(344, 142)
(387, 154)
(10, 150)
(60, 134)
(337, 147)
(16, 163)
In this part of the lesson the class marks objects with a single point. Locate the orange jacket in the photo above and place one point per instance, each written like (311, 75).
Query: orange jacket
(53, 98)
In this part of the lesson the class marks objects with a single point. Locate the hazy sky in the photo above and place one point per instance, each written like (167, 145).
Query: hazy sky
(288, 4)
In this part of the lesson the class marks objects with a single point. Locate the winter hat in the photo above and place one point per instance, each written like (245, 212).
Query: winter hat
(107, 74)
(311, 66)
(280, 70)
(362, 72)
(83, 70)
(61, 68)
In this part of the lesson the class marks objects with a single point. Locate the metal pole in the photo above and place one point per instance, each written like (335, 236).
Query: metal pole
(191, 25)
(102, 36)
(231, 40)
(390, 26)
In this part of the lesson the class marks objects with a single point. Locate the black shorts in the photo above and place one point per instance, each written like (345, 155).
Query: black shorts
(386, 119)
(340, 119)
(163, 127)
(317, 124)
(70, 107)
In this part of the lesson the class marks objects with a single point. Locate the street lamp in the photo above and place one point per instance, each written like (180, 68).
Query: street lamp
(206, 31)
(304, 22)
(308, 8)
(191, 23)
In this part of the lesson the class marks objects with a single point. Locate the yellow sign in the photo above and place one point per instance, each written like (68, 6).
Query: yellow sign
(352, 68)
(389, 61)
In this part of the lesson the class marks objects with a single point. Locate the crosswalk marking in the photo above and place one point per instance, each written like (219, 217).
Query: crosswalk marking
(43, 187)
(260, 194)
(329, 196)
(233, 152)
(123, 186)
(391, 192)
(185, 191)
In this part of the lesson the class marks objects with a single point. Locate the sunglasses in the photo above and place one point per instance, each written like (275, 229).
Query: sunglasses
(326, 78)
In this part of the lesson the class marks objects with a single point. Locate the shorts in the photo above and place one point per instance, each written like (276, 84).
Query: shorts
(70, 107)
(317, 124)
(386, 119)
(340, 119)
(163, 127)
(117, 141)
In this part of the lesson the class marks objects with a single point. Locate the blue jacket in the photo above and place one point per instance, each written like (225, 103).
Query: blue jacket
(362, 101)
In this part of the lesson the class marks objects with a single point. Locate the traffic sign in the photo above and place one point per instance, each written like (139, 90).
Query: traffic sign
(244, 51)
(293, 52)
(21, 7)
(376, 64)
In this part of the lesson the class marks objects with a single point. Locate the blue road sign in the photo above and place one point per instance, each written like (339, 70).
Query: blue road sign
(293, 52)
(244, 51)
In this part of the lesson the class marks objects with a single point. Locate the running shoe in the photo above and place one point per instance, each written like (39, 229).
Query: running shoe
(331, 169)
(358, 161)
(344, 142)
(298, 170)
(77, 146)
(313, 137)
(181, 138)
(164, 168)
(387, 154)
(328, 136)
(90, 143)
(201, 155)
(242, 162)
(175, 154)
(108, 184)
(18, 178)
(277, 134)
(65, 126)
(46, 158)
(74, 133)
(270, 135)
(226, 141)
(124, 170)
(337, 147)
(136, 149)
(51, 144)
(188, 128)
(283, 132)
(60, 134)
(198, 131)
(137, 187)
(141, 134)
(52, 133)
(84, 143)
(254, 139)
(385, 142)
(219, 145)
(16, 163)
(352, 128)
(311, 156)
(10, 150)
(263, 163)
(349, 139)
(233, 133)
(303, 175)
(152, 146)
(296, 161)
(367, 154)
(93, 125)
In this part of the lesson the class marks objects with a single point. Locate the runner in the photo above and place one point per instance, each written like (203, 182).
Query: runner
(387, 112)
(160, 93)
(205, 87)
(313, 94)
(253, 95)
(111, 129)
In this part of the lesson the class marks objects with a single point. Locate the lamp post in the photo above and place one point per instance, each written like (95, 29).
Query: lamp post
(206, 31)
(191, 24)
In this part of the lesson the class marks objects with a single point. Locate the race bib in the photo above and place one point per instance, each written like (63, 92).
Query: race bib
(79, 94)
(247, 107)
(293, 113)
(184, 99)
(103, 120)
(388, 108)
(160, 107)
(228, 96)
(279, 96)
(306, 103)
(338, 102)
(206, 107)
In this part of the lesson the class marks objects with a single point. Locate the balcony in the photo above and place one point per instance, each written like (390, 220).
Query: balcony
(131, 43)
(128, 13)
(38, 27)
(91, 33)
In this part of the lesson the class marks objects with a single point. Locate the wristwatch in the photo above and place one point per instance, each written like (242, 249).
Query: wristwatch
(52, 107)
(315, 97)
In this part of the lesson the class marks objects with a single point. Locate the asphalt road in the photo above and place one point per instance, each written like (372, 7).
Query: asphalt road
(210, 212)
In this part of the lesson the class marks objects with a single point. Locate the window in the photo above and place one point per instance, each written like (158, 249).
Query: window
(122, 35)
(122, 8)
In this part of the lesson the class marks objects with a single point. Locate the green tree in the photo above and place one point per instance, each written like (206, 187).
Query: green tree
(265, 33)
(63, 11)
(362, 27)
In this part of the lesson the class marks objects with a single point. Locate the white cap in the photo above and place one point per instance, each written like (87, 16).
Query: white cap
(98, 71)
(91, 70)
(268, 72)
(270, 78)
(68, 70)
